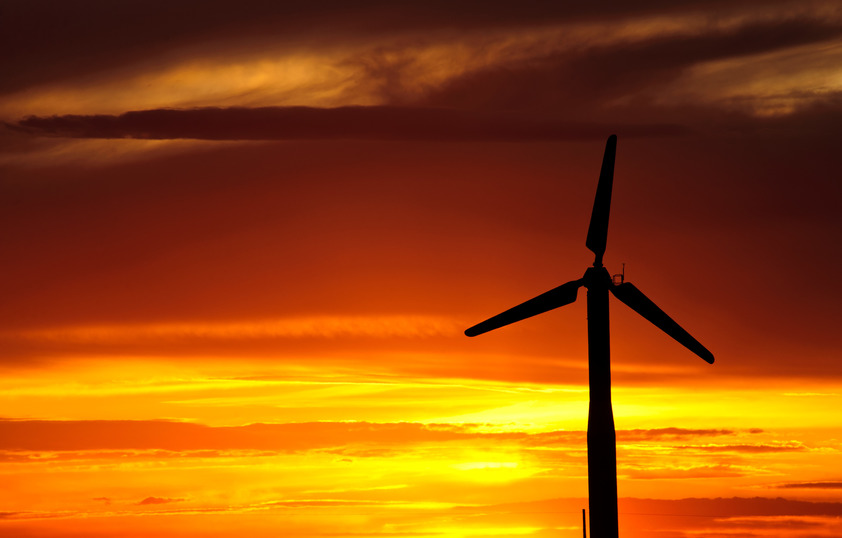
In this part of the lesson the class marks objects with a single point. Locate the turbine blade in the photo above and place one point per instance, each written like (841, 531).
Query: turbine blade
(634, 299)
(556, 297)
(598, 229)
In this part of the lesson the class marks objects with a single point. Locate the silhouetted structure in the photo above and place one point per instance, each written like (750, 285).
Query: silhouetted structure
(602, 454)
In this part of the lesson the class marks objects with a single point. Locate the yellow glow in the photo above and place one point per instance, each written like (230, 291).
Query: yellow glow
(492, 531)
(552, 411)
(470, 466)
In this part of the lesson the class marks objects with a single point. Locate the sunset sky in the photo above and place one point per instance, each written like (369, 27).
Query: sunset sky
(240, 243)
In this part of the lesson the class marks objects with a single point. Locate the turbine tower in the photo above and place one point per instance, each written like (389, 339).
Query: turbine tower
(602, 453)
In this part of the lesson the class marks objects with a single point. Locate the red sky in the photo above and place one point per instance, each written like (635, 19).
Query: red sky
(241, 241)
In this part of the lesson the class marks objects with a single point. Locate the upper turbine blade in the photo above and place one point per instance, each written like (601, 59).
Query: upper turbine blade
(598, 230)
(641, 304)
(556, 297)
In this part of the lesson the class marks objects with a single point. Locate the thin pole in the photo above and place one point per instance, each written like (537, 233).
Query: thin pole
(602, 451)
(584, 525)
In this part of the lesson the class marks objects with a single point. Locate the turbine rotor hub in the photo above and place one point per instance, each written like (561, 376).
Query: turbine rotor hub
(596, 278)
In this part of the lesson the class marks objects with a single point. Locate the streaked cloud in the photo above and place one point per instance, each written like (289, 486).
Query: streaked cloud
(573, 77)
(165, 31)
(301, 327)
(811, 485)
(32, 435)
(158, 500)
(303, 123)
(683, 472)
(748, 448)
(600, 78)
(668, 433)
(169, 435)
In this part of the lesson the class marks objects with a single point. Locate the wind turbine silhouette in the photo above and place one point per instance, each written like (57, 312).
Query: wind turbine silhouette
(602, 453)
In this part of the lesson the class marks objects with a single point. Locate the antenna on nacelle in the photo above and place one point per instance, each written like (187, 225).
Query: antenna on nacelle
(619, 278)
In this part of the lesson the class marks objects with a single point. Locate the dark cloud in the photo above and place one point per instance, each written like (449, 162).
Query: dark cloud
(749, 449)
(662, 517)
(196, 440)
(656, 434)
(565, 81)
(740, 506)
(306, 123)
(137, 455)
(667, 433)
(321, 503)
(178, 436)
(44, 40)
(819, 116)
(34, 515)
(158, 500)
(713, 507)
(811, 485)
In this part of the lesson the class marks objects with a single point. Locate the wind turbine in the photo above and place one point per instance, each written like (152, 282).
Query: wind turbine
(602, 453)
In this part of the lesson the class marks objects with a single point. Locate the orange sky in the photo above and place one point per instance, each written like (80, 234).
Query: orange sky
(241, 241)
